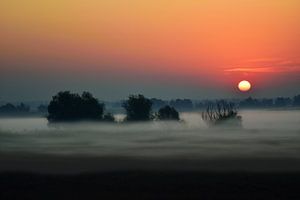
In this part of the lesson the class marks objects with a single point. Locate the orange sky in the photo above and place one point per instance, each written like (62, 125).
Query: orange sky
(198, 42)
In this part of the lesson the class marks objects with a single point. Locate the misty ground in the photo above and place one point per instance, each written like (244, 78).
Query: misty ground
(154, 160)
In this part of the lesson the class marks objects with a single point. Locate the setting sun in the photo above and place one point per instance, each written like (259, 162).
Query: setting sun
(244, 86)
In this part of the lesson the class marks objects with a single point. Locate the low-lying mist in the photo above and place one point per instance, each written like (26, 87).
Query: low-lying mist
(265, 135)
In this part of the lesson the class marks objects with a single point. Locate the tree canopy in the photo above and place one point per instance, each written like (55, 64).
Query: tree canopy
(168, 113)
(138, 108)
(66, 106)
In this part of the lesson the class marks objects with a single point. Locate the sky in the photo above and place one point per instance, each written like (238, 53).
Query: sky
(195, 49)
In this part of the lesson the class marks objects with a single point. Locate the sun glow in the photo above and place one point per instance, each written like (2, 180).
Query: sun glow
(244, 86)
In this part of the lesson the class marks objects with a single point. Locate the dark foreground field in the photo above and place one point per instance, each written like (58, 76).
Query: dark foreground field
(151, 185)
(42, 177)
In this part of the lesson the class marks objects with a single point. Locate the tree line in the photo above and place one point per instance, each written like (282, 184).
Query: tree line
(67, 106)
(251, 102)
(10, 109)
(265, 102)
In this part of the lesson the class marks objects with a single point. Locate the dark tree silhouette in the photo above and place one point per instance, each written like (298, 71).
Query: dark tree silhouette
(296, 100)
(10, 109)
(282, 101)
(249, 103)
(66, 106)
(168, 113)
(23, 108)
(138, 108)
(221, 112)
(265, 103)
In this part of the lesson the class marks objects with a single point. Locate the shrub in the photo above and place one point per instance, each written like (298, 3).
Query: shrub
(168, 113)
(221, 112)
(138, 108)
(66, 106)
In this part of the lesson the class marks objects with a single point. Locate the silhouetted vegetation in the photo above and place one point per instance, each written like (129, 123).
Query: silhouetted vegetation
(66, 106)
(10, 109)
(250, 103)
(296, 100)
(282, 102)
(221, 112)
(168, 113)
(266, 103)
(138, 108)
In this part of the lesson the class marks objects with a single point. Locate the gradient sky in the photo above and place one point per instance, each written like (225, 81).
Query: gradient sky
(166, 49)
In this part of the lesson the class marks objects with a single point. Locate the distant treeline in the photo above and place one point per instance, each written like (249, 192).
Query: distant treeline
(22, 109)
(178, 104)
(67, 106)
(265, 103)
(259, 103)
(14, 110)
(187, 104)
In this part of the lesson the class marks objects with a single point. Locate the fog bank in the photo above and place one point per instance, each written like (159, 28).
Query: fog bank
(269, 140)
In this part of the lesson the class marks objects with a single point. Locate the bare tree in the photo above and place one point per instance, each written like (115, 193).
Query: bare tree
(219, 112)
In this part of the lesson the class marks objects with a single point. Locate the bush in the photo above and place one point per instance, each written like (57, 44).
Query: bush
(221, 112)
(138, 108)
(66, 106)
(168, 113)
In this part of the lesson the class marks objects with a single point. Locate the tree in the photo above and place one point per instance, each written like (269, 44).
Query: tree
(66, 106)
(282, 101)
(249, 103)
(266, 102)
(23, 108)
(8, 108)
(168, 113)
(221, 112)
(296, 100)
(138, 108)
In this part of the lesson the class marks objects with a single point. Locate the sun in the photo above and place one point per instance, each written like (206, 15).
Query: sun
(244, 86)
